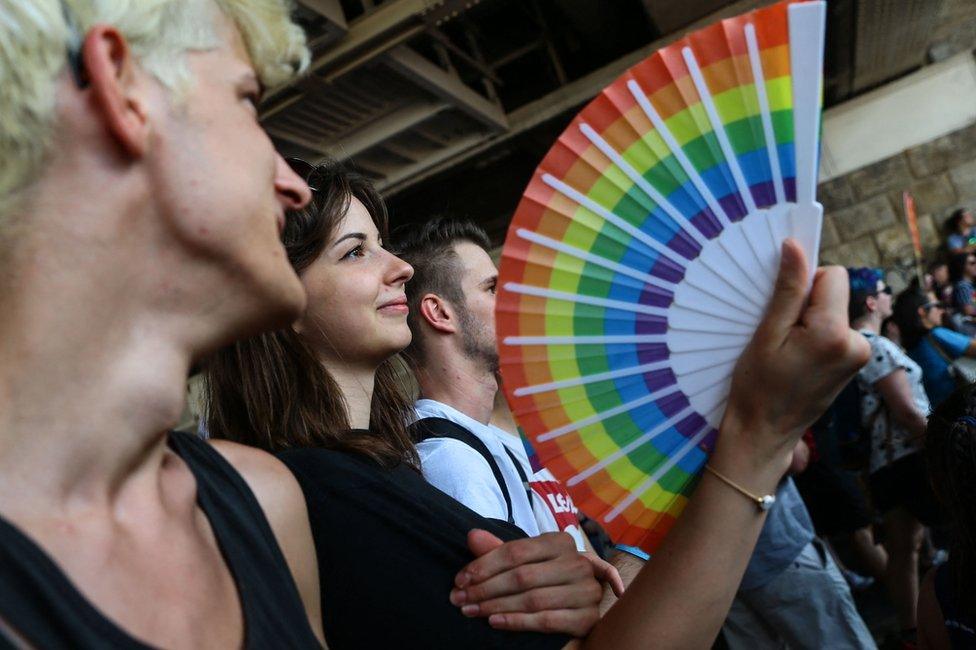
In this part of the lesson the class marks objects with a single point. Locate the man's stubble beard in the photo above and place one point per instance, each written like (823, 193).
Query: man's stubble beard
(473, 343)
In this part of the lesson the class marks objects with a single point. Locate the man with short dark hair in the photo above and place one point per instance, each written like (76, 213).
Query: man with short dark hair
(455, 358)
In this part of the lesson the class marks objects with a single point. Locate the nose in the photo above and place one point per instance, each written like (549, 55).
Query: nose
(292, 190)
(399, 272)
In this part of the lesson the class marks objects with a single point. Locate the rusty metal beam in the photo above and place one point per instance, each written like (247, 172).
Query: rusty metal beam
(407, 171)
(331, 10)
(446, 86)
(569, 96)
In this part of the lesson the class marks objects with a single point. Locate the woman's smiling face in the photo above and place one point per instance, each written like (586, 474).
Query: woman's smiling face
(357, 309)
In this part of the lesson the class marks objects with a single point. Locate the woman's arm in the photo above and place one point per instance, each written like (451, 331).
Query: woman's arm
(932, 634)
(798, 360)
(970, 349)
(896, 392)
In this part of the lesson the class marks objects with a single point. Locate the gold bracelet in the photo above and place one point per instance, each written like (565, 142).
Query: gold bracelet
(764, 503)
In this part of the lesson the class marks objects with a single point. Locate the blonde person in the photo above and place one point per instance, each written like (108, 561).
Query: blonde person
(140, 203)
(389, 547)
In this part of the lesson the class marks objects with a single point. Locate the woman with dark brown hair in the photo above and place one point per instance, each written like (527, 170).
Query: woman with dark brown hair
(304, 386)
(391, 547)
(323, 395)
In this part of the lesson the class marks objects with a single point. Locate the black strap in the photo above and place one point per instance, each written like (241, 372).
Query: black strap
(427, 428)
(526, 484)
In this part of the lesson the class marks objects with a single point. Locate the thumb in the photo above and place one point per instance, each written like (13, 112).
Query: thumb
(481, 542)
(789, 294)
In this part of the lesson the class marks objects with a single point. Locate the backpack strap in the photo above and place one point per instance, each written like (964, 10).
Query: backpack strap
(526, 484)
(426, 428)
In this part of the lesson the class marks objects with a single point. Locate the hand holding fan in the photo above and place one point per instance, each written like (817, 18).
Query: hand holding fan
(643, 253)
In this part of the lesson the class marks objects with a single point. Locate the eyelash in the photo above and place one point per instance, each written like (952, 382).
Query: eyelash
(349, 255)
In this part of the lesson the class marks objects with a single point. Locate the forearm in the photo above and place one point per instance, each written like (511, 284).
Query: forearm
(681, 599)
(628, 566)
(912, 420)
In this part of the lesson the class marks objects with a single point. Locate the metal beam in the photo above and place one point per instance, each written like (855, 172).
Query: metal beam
(366, 33)
(398, 121)
(374, 133)
(331, 10)
(446, 86)
(570, 96)
(447, 153)
(294, 138)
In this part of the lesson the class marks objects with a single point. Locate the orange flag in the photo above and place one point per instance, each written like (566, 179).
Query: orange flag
(912, 218)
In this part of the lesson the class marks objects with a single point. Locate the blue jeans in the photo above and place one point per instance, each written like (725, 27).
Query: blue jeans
(808, 605)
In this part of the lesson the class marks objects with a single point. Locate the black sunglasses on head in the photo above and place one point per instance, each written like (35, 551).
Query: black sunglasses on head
(886, 290)
(311, 174)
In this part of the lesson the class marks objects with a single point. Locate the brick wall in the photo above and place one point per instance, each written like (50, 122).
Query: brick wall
(864, 223)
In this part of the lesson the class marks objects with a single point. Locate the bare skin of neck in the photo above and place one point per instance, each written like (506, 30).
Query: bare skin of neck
(356, 383)
(94, 355)
(871, 321)
(451, 377)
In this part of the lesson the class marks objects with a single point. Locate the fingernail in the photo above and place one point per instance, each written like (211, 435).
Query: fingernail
(496, 619)
(463, 580)
(470, 610)
(458, 596)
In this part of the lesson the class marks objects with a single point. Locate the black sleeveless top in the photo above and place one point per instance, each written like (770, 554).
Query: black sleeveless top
(389, 545)
(39, 603)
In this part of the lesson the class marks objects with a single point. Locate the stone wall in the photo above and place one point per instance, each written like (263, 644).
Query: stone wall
(864, 223)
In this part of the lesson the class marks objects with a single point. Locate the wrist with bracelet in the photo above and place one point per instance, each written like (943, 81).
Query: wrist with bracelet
(763, 502)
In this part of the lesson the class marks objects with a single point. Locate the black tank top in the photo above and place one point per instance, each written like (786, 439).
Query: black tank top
(38, 601)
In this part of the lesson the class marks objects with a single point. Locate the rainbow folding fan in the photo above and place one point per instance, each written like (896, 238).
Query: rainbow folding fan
(644, 251)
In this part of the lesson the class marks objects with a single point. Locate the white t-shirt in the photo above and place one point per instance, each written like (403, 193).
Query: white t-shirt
(889, 439)
(461, 472)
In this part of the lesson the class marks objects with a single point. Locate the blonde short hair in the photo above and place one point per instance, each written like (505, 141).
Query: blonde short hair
(36, 35)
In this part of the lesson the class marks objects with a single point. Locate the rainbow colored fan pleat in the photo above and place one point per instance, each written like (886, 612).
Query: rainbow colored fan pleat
(644, 251)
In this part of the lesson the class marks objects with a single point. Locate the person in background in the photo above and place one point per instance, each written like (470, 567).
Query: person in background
(140, 208)
(947, 602)
(891, 331)
(940, 283)
(838, 506)
(894, 407)
(962, 270)
(932, 346)
(960, 232)
(793, 594)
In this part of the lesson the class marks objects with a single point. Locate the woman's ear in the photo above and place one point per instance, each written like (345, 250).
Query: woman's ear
(117, 97)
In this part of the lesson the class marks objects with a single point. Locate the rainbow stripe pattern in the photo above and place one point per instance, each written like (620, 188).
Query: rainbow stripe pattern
(643, 252)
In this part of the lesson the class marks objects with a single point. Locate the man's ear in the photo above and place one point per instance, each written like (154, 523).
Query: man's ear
(112, 76)
(438, 313)
(872, 303)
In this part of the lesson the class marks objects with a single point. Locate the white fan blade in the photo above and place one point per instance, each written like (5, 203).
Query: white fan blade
(683, 341)
(682, 319)
(683, 363)
(806, 221)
